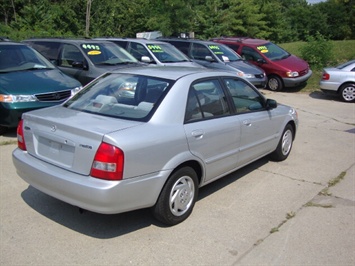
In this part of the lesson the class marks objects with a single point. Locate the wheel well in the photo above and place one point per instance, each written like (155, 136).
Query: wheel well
(293, 125)
(194, 165)
(276, 76)
(347, 82)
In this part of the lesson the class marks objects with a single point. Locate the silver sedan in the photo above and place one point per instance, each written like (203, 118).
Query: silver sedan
(150, 137)
(340, 80)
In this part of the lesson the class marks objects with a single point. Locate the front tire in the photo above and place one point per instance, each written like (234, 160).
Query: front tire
(177, 197)
(285, 145)
(275, 83)
(347, 92)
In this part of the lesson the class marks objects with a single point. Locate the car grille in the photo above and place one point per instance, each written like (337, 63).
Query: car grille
(55, 96)
(259, 76)
(303, 72)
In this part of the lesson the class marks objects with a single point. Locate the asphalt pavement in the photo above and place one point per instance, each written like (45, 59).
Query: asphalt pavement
(297, 212)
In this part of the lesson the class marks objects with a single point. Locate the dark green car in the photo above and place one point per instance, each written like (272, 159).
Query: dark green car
(28, 81)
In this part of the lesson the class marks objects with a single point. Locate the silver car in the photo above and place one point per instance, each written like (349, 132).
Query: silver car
(150, 137)
(340, 80)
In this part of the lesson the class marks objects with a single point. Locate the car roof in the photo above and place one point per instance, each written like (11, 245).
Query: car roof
(65, 40)
(246, 40)
(12, 43)
(187, 40)
(139, 40)
(173, 73)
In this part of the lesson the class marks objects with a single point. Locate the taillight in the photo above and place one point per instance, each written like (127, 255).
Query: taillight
(108, 162)
(20, 137)
(325, 76)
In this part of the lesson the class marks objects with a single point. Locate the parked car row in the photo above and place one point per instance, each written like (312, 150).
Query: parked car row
(262, 63)
(29, 81)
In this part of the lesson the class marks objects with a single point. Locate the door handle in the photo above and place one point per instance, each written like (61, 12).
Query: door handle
(247, 122)
(198, 134)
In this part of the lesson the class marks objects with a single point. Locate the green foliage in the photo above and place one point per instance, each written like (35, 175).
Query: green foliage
(277, 20)
(318, 51)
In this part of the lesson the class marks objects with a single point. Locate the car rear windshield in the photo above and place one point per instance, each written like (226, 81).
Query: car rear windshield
(125, 96)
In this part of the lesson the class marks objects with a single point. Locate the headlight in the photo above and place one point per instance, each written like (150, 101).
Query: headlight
(8, 98)
(75, 90)
(244, 75)
(293, 74)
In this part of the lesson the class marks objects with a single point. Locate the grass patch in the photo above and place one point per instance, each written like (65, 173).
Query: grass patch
(313, 204)
(289, 215)
(8, 142)
(332, 182)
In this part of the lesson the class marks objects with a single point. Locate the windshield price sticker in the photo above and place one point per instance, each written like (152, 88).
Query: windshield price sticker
(94, 49)
(155, 48)
(215, 49)
(263, 49)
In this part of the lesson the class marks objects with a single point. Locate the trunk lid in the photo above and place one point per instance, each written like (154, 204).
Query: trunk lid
(67, 138)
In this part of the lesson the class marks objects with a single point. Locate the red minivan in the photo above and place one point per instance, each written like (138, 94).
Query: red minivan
(283, 69)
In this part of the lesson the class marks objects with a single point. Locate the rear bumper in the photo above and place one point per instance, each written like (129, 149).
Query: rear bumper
(329, 86)
(294, 82)
(86, 192)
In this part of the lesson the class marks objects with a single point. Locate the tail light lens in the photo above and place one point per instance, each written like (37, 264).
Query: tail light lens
(108, 162)
(325, 76)
(20, 137)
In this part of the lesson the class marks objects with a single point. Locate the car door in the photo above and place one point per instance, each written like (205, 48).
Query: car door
(260, 127)
(213, 134)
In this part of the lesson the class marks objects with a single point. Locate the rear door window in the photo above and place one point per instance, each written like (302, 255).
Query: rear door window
(206, 100)
(49, 50)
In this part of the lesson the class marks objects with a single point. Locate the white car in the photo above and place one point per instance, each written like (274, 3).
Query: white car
(176, 130)
(340, 80)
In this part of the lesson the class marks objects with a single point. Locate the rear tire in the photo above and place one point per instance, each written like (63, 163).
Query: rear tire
(274, 83)
(347, 92)
(177, 197)
(285, 145)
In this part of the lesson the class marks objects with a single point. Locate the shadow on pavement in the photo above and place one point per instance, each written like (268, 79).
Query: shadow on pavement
(104, 226)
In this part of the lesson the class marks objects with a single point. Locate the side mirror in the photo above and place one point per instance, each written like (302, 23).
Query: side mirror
(209, 58)
(78, 64)
(146, 59)
(261, 61)
(270, 104)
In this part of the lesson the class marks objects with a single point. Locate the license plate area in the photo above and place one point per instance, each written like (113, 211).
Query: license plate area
(58, 152)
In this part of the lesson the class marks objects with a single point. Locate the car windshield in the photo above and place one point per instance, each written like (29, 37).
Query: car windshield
(19, 57)
(344, 65)
(272, 51)
(167, 53)
(107, 54)
(124, 96)
(224, 53)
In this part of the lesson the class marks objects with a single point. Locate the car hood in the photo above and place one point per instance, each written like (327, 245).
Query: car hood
(36, 81)
(245, 67)
(68, 138)
(292, 63)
